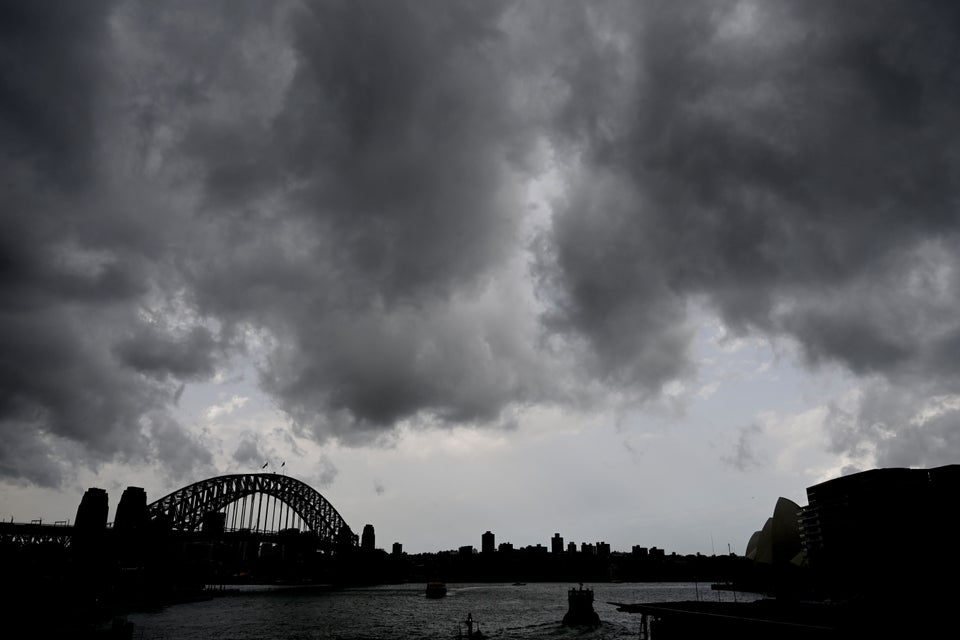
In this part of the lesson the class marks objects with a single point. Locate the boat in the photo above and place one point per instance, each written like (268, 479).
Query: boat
(436, 589)
(472, 631)
(580, 611)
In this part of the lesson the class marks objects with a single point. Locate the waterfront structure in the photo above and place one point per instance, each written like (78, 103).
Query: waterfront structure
(93, 510)
(397, 549)
(131, 510)
(778, 542)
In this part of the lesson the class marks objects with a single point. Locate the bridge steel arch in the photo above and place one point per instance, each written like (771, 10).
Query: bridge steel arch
(185, 508)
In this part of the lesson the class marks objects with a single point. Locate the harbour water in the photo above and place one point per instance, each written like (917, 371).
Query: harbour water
(401, 611)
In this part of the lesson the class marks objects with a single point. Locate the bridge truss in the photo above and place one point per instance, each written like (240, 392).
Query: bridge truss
(257, 501)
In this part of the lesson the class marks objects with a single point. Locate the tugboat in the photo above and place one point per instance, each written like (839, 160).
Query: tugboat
(436, 589)
(471, 632)
(580, 611)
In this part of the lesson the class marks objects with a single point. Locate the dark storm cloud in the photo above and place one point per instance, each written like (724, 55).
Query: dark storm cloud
(344, 183)
(50, 62)
(76, 269)
(792, 165)
(390, 173)
(188, 357)
(337, 178)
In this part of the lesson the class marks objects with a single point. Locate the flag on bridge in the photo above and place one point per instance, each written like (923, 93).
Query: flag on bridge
(283, 464)
(264, 465)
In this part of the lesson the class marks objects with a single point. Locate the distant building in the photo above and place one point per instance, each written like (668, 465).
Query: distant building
(640, 552)
(603, 549)
(505, 547)
(556, 543)
(488, 542)
(656, 553)
(587, 549)
(571, 547)
(466, 550)
(397, 549)
(367, 539)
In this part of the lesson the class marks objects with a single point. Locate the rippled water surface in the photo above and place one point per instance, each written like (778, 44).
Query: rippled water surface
(401, 611)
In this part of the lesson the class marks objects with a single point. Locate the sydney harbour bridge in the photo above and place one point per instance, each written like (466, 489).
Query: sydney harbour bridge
(261, 504)
(253, 528)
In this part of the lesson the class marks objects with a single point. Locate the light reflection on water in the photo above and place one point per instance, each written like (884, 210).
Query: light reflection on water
(401, 611)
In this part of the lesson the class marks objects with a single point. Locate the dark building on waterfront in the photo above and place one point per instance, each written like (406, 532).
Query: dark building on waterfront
(556, 543)
(883, 529)
(488, 542)
(367, 539)
(397, 549)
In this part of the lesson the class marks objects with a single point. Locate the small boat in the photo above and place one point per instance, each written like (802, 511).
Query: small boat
(580, 611)
(436, 589)
(472, 631)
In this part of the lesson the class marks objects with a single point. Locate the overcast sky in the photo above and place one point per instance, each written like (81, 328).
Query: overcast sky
(626, 271)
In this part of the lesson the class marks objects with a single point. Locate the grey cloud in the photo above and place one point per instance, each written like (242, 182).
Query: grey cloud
(346, 179)
(182, 453)
(248, 452)
(342, 177)
(791, 165)
(323, 474)
(26, 457)
(744, 456)
(77, 257)
(51, 58)
(902, 424)
(191, 356)
(354, 377)
(395, 151)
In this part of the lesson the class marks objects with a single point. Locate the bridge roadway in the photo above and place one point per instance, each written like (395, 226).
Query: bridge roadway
(23, 533)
